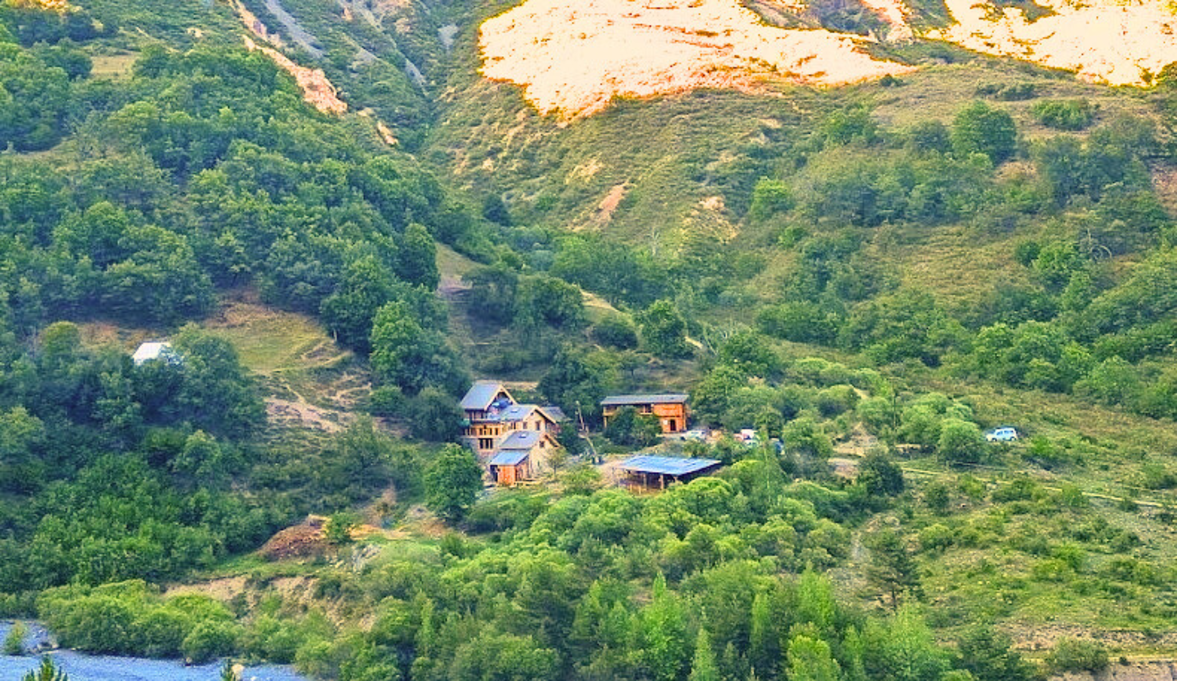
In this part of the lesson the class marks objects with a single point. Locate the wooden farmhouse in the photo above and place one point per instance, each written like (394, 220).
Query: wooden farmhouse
(516, 439)
(671, 409)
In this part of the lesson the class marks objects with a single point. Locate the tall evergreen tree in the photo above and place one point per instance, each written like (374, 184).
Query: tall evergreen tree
(763, 645)
(892, 570)
(703, 668)
(661, 645)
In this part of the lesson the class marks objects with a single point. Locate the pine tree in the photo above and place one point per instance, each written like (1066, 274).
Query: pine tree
(703, 667)
(662, 646)
(815, 601)
(426, 636)
(853, 649)
(910, 649)
(763, 646)
(892, 569)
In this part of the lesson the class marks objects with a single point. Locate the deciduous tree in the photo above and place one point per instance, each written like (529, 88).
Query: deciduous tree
(452, 482)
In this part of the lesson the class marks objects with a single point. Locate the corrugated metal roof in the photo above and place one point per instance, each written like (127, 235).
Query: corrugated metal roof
(480, 395)
(520, 439)
(509, 458)
(152, 350)
(667, 465)
(622, 400)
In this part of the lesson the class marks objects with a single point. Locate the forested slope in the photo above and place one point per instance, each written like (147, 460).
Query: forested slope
(140, 200)
(870, 275)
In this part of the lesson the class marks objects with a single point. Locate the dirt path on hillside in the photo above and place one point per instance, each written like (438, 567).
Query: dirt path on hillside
(306, 415)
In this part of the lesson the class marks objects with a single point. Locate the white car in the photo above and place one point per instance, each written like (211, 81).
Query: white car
(1004, 434)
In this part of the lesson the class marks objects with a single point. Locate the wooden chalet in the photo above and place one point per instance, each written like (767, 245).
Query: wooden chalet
(516, 438)
(670, 408)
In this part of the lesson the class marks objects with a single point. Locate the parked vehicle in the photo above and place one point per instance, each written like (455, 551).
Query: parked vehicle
(1003, 434)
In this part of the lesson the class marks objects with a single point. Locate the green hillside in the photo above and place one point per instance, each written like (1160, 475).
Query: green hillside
(870, 277)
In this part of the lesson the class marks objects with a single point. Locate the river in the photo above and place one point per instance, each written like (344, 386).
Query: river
(83, 667)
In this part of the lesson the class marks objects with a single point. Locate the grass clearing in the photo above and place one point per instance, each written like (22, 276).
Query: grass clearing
(952, 262)
(113, 66)
(938, 92)
(269, 340)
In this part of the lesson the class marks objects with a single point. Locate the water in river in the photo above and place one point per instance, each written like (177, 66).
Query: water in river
(82, 667)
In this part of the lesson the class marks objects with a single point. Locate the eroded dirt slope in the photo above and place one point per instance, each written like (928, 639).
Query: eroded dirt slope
(1110, 41)
(574, 56)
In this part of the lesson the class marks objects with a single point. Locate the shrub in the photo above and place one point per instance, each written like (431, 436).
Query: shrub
(617, 332)
(979, 128)
(880, 476)
(1073, 497)
(339, 526)
(960, 442)
(937, 537)
(971, 487)
(1021, 488)
(628, 428)
(1071, 655)
(387, 400)
(1026, 252)
(209, 640)
(770, 197)
(14, 643)
(1157, 476)
(937, 497)
(836, 400)
(1064, 114)
(928, 136)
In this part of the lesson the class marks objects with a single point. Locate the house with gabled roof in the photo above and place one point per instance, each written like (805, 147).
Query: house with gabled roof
(522, 455)
(484, 397)
(494, 419)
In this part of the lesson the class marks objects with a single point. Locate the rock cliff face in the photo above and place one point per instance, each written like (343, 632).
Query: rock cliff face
(1158, 670)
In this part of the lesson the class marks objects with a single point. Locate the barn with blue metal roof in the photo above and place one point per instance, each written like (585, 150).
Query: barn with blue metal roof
(657, 471)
